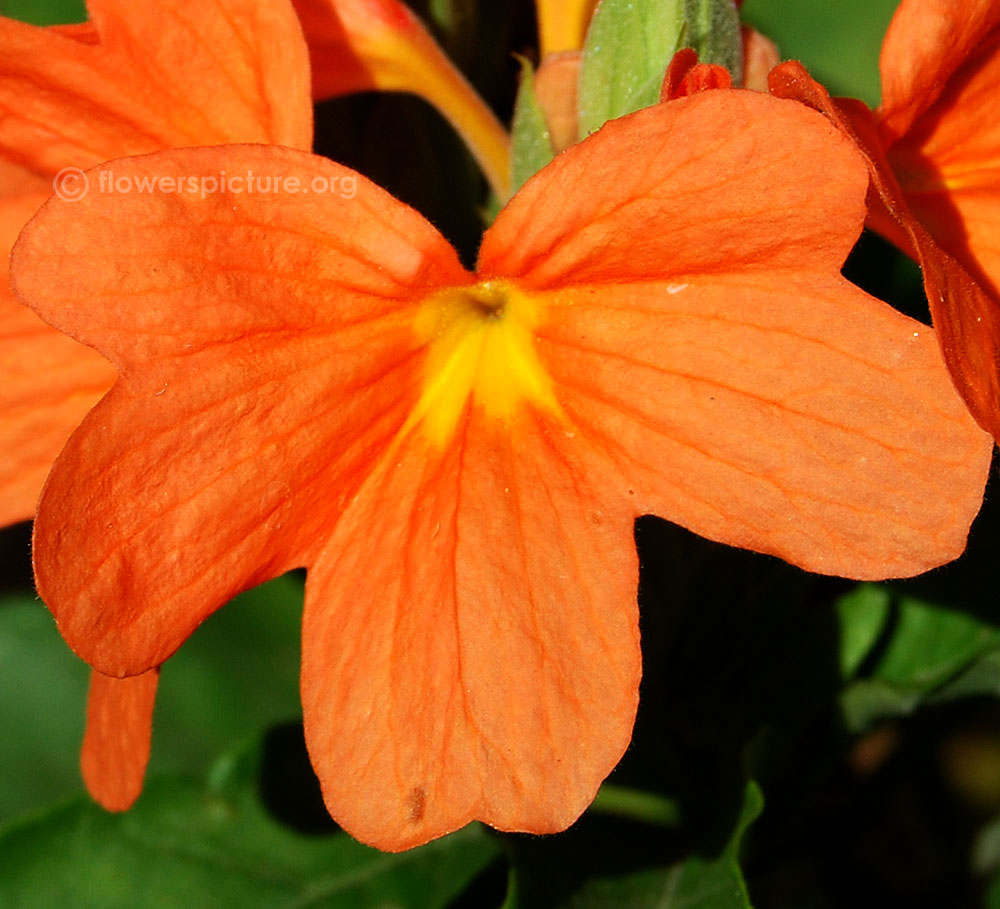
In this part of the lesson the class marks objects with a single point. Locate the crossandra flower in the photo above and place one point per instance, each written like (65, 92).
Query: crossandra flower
(130, 81)
(657, 323)
(380, 45)
(940, 68)
(133, 79)
(934, 151)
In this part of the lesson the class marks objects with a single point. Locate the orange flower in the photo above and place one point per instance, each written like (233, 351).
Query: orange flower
(379, 45)
(940, 68)
(934, 152)
(458, 458)
(132, 80)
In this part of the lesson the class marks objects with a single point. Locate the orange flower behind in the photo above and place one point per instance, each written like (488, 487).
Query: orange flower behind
(458, 458)
(934, 152)
(380, 45)
(130, 81)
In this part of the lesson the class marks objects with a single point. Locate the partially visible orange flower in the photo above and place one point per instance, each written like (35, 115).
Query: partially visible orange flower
(934, 151)
(380, 45)
(133, 80)
(137, 78)
(458, 458)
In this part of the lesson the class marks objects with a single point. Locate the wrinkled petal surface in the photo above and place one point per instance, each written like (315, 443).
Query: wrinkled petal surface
(482, 660)
(459, 459)
(965, 315)
(948, 165)
(134, 79)
(270, 356)
(686, 337)
(865, 465)
(161, 76)
(48, 382)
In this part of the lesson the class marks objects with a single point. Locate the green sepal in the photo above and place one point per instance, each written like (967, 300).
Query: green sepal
(628, 48)
(630, 44)
(714, 32)
(531, 145)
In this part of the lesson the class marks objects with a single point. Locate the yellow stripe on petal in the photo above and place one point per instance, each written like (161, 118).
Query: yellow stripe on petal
(482, 345)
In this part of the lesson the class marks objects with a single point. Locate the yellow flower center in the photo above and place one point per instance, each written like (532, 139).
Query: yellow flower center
(481, 345)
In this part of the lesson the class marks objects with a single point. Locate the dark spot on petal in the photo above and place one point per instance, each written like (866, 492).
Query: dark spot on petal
(416, 801)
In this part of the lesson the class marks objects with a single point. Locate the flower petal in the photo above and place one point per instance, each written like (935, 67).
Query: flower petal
(481, 659)
(117, 741)
(47, 384)
(556, 92)
(927, 40)
(158, 78)
(760, 56)
(686, 76)
(251, 396)
(965, 316)
(947, 165)
(716, 153)
(678, 342)
(864, 465)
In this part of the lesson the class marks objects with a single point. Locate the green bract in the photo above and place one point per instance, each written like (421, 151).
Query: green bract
(531, 146)
(631, 42)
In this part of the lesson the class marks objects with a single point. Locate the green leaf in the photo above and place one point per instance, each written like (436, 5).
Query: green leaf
(931, 644)
(981, 677)
(531, 146)
(863, 614)
(637, 805)
(628, 47)
(931, 653)
(186, 844)
(43, 690)
(718, 883)
(838, 42)
(236, 675)
(992, 899)
(697, 883)
(44, 12)
(986, 852)
(867, 701)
